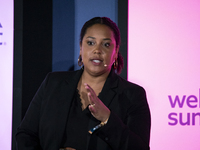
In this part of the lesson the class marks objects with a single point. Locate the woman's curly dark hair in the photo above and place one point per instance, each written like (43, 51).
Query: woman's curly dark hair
(112, 25)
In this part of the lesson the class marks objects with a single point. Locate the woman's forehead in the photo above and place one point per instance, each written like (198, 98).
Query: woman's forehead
(99, 30)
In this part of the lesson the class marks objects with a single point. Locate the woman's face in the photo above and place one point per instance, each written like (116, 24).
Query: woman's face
(98, 49)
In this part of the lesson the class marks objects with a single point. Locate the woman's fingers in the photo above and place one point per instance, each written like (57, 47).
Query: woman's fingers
(91, 94)
(96, 107)
(89, 89)
(93, 100)
(92, 103)
(92, 109)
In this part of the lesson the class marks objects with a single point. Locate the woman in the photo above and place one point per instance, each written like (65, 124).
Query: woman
(92, 108)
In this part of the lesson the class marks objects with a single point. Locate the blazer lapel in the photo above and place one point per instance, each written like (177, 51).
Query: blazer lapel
(109, 89)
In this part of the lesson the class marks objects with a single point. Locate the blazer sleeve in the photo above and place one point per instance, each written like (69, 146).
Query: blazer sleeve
(27, 137)
(133, 131)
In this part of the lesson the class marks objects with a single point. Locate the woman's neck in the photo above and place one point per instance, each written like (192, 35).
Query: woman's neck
(94, 80)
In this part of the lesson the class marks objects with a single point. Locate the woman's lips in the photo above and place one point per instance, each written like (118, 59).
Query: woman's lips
(96, 61)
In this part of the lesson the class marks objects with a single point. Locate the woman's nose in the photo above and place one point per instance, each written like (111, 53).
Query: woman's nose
(98, 49)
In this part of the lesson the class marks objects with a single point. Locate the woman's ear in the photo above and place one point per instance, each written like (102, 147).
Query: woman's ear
(80, 49)
(117, 51)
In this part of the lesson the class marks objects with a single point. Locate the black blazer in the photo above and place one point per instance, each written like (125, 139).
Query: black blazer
(44, 124)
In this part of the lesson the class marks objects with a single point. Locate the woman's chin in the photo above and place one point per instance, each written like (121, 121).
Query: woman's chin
(98, 71)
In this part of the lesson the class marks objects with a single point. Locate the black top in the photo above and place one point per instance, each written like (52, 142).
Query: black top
(78, 125)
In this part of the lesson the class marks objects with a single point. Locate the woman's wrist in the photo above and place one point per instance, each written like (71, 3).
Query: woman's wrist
(106, 117)
(104, 122)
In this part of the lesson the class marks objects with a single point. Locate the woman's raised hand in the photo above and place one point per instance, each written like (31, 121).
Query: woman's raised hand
(97, 107)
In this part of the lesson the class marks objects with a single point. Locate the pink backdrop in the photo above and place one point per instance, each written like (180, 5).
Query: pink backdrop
(164, 57)
(6, 72)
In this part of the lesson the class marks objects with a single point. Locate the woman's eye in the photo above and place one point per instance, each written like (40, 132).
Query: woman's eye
(90, 43)
(107, 44)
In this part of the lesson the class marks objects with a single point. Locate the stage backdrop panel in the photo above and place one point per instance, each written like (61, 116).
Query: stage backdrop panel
(6, 72)
(164, 57)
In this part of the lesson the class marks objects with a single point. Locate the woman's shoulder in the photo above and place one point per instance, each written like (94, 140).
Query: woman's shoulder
(62, 75)
(132, 92)
(125, 84)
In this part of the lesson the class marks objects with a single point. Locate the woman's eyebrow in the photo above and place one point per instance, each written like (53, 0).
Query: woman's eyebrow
(107, 39)
(95, 38)
(91, 37)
